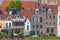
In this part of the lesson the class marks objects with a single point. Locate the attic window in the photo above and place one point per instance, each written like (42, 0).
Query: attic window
(18, 16)
(37, 11)
(49, 10)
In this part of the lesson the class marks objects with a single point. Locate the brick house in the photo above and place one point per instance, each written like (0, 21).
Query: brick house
(44, 20)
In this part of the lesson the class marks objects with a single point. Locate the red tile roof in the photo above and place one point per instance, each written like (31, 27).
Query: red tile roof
(4, 16)
(26, 5)
(54, 8)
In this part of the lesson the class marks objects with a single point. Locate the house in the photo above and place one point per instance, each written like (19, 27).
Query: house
(27, 27)
(2, 24)
(58, 21)
(44, 20)
(7, 26)
(50, 2)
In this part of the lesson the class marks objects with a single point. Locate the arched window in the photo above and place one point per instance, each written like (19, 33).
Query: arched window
(49, 10)
(37, 11)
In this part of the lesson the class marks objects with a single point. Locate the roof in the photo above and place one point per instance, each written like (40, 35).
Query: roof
(54, 8)
(27, 5)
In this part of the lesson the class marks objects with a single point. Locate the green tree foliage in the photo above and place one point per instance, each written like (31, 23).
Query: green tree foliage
(52, 34)
(15, 4)
(21, 33)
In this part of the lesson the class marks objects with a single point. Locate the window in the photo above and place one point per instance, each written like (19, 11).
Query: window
(18, 16)
(6, 25)
(15, 11)
(52, 30)
(47, 30)
(33, 26)
(54, 17)
(41, 26)
(16, 30)
(37, 11)
(50, 23)
(37, 26)
(49, 11)
(43, 11)
(32, 19)
(17, 23)
(50, 16)
(27, 22)
(59, 16)
(37, 32)
(27, 27)
(9, 25)
(32, 32)
(36, 19)
(54, 23)
(40, 19)
(46, 16)
(46, 22)
(43, 6)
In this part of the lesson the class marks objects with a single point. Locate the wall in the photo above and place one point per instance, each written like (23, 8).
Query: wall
(58, 26)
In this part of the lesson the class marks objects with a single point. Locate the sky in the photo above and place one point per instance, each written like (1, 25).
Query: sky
(23, 0)
(1, 1)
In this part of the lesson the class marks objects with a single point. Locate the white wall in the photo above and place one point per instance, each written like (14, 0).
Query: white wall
(27, 24)
(8, 23)
(58, 26)
(26, 32)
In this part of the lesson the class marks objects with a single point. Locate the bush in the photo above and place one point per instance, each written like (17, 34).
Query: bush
(52, 34)
(6, 35)
(26, 35)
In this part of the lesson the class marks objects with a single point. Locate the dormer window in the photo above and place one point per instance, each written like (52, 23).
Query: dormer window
(37, 11)
(18, 17)
(14, 11)
(49, 10)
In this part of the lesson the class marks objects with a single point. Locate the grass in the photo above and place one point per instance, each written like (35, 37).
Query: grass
(45, 37)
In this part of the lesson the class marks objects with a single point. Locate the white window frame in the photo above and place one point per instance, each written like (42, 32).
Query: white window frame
(36, 11)
(49, 11)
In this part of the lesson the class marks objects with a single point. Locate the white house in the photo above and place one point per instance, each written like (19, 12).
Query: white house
(58, 22)
(27, 26)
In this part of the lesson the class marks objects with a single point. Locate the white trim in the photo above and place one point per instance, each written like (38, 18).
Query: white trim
(49, 26)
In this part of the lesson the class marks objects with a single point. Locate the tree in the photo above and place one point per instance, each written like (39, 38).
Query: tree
(14, 4)
(19, 5)
(21, 34)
